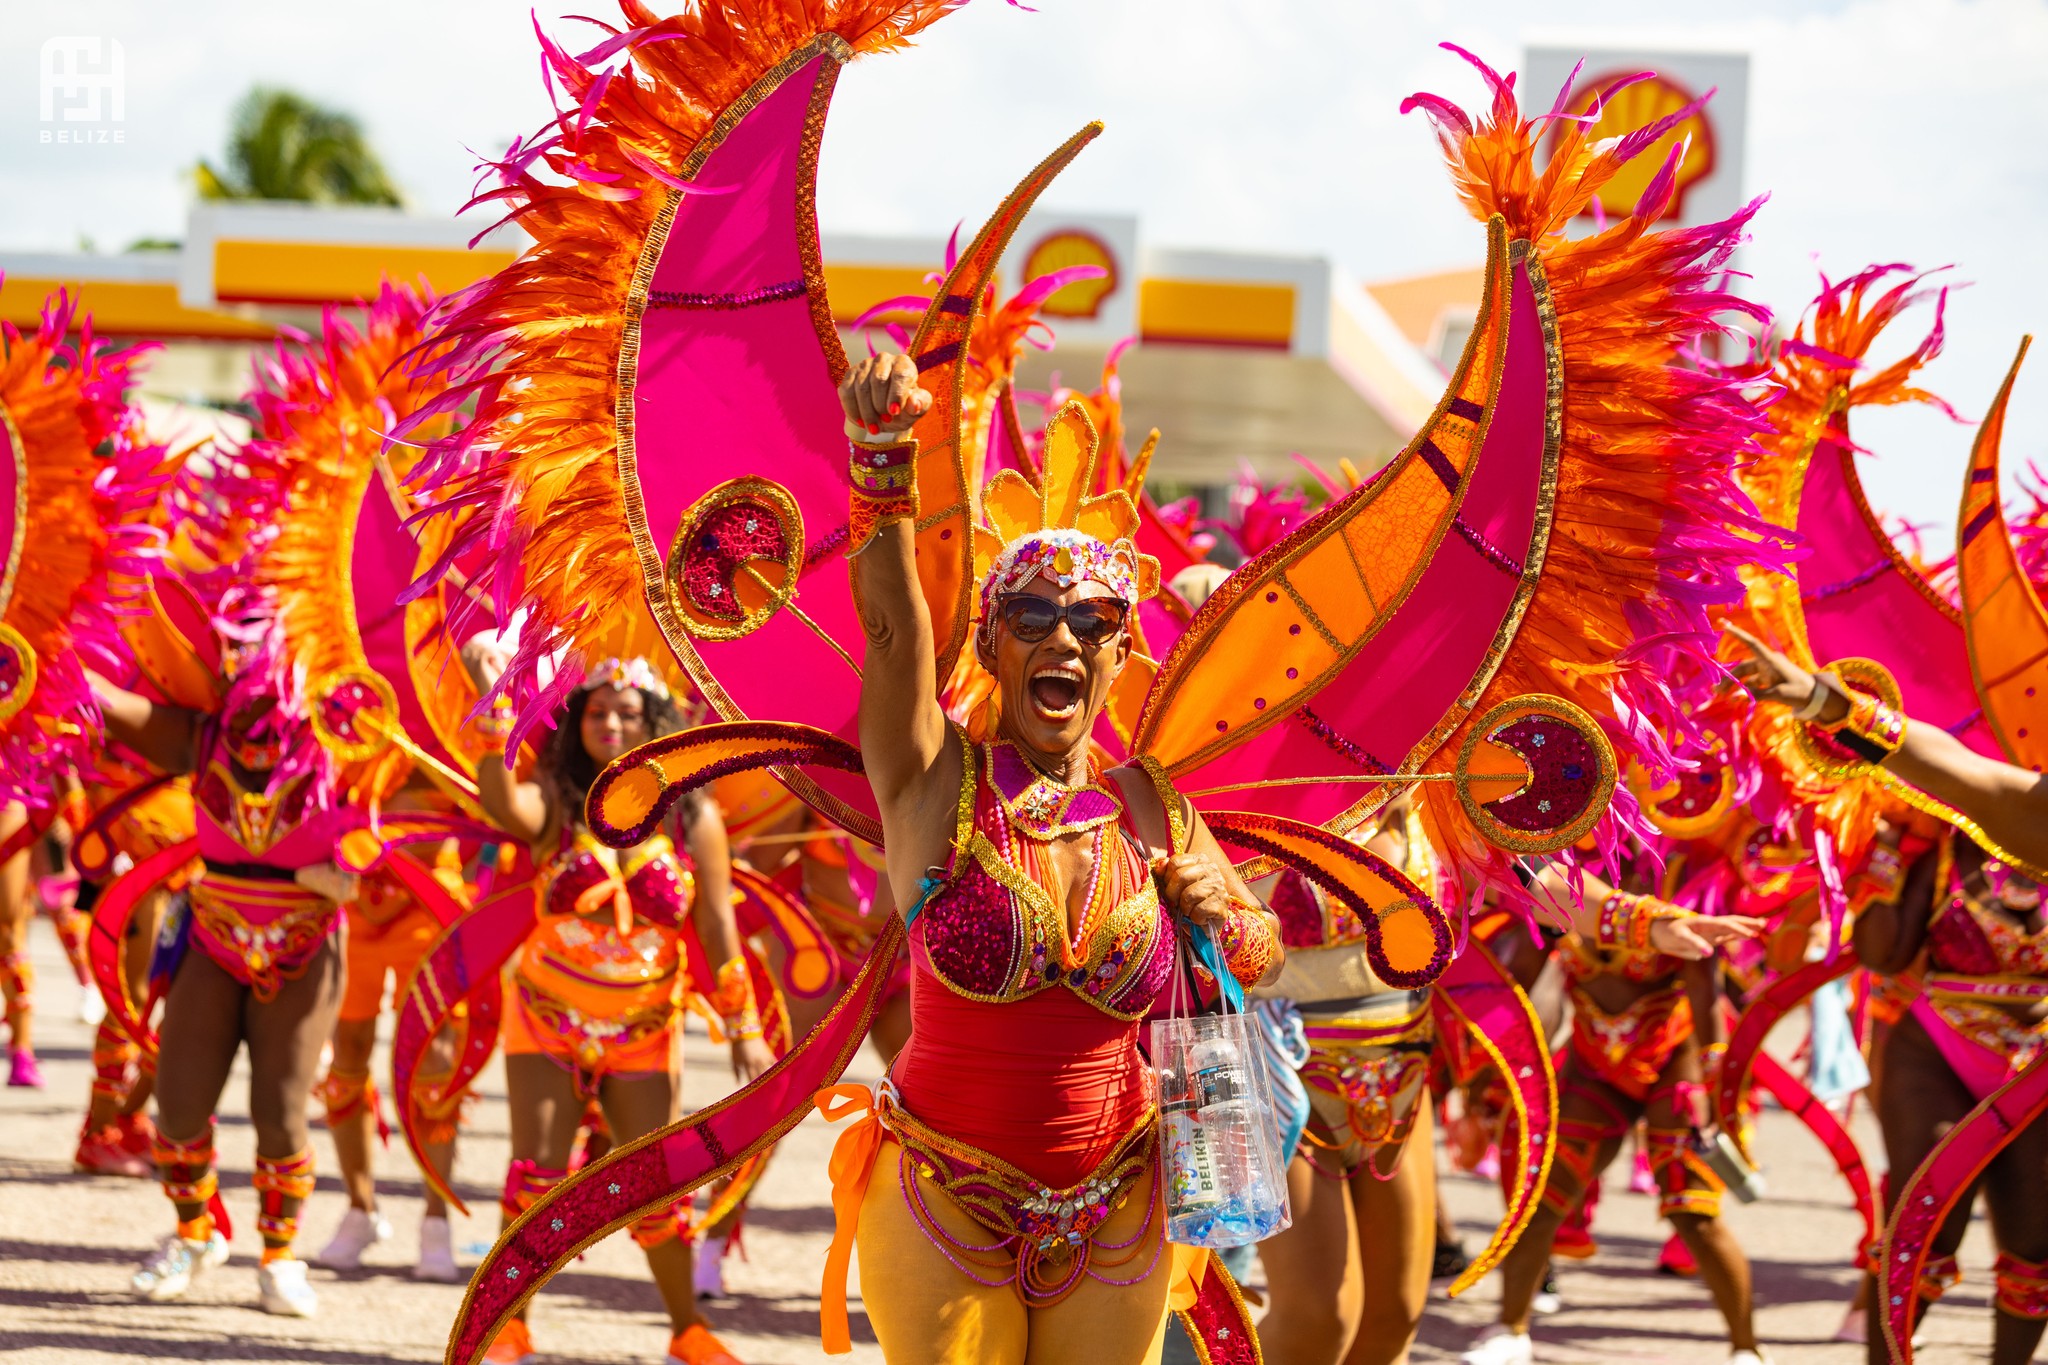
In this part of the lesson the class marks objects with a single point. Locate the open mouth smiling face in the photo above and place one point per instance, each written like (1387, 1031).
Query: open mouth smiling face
(1054, 686)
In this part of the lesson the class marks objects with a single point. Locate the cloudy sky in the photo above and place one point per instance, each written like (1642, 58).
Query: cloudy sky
(1908, 130)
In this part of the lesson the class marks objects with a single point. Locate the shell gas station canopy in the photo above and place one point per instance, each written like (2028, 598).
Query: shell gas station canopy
(1238, 357)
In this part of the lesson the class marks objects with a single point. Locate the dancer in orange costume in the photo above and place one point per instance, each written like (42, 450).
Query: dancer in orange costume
(597, 987)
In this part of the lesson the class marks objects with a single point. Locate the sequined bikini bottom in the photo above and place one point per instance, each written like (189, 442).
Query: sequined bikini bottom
(261, 927)
(1629, 1049)
(1367, 1077)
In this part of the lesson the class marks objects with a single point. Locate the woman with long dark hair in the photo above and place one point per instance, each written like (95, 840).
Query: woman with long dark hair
(594, 1010)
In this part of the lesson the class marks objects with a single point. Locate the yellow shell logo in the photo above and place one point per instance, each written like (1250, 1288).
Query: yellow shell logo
(1639, 105)
(1071, 247)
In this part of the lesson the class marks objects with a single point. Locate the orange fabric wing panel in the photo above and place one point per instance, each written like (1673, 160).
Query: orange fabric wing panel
(947, 491)
(1289, 622)
(2002, 614)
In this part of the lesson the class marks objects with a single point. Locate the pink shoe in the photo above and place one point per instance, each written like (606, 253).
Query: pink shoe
(1642, 1180)
(24, 1073)
(102, 1153)
(1488, 1167)
(1676, 1258)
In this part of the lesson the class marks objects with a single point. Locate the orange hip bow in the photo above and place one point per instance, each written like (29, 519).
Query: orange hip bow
(853, 1159)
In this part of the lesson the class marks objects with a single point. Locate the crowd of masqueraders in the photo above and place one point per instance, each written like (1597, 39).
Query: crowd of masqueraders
(610, 641)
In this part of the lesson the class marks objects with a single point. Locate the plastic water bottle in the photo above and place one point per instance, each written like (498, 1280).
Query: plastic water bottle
(1232, 1132)
(1192, 1191)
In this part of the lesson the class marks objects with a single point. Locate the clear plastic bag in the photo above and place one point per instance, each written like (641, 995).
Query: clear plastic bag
(1223, 1175)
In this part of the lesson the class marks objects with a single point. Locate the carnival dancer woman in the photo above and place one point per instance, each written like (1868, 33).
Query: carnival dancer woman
(1973, 927)
(594, 1007)
(1972, 924)
(1645, 1021)
(261, 966)
(1350, 1276)
(1045, 921)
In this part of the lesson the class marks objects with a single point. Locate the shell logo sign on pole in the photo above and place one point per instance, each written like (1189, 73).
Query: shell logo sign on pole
(1709, 179)
(1634, 106)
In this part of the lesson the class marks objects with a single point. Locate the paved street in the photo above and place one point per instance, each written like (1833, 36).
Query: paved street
(68, 1242)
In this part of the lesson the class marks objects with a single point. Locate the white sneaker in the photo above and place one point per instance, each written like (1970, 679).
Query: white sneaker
(1499, 1346)
(1546, 1303)
(711, 1268)
(284, 1289)
(92, 1007)
(437, 1253)
(1748, 1358)
(172, 1267)
(359, 1231)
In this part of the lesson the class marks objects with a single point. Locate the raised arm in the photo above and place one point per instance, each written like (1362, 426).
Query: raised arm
(167, 737)
(2010, 803)
(524, 810)
(911, 755)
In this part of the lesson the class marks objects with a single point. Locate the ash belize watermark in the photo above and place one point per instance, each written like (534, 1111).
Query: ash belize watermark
(84, 90)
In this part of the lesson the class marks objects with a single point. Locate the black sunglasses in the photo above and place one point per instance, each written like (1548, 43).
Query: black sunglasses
(1094, 621)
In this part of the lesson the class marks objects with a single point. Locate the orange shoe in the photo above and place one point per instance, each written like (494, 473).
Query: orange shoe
(696, 1346)
(512, 1346)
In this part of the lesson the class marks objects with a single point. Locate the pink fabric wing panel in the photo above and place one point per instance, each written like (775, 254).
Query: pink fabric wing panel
(733, 379)
(1411, 673)
(1862, 599)
(381, 565)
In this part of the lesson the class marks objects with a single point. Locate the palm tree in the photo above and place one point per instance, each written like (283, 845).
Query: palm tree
(284, 146)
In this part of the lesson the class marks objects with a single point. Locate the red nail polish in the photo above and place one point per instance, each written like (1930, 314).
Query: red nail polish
(895, 408)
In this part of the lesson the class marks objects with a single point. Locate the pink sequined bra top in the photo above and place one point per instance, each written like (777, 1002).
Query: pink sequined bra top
(655, 878)
(1971, 936)
(993, 929)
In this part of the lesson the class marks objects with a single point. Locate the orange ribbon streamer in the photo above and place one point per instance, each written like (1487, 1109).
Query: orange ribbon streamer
(853, 1159)
(1190, 1268)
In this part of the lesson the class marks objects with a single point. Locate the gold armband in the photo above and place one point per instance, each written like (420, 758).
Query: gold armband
(1874, 730)
(1247, 943)
(884, 489)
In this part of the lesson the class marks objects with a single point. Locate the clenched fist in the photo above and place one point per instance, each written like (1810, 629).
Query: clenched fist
(881, 397)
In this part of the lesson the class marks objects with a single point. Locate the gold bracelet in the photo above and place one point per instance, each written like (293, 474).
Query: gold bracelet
(1626, 920)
